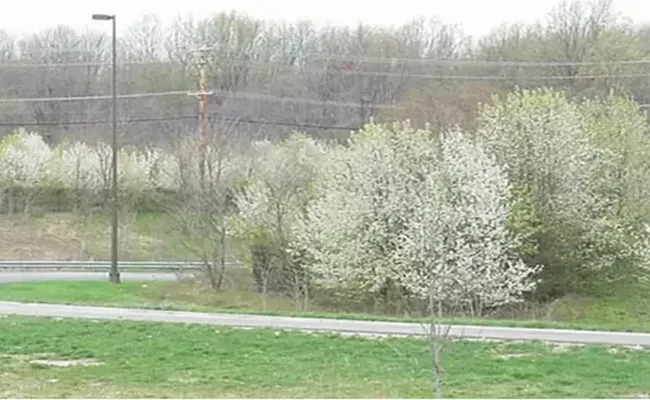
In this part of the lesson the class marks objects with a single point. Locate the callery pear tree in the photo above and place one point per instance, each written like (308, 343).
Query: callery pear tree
(457, 248)
(272, 202)
(427, 212)
(578, 168)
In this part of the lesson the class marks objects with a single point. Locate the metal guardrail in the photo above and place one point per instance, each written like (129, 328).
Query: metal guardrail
(100, 265)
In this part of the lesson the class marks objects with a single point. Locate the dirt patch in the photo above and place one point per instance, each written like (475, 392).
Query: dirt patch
(635, 348)
(481, 340)
(514, 355)
(67, 363)
(563, 347)
(25, 357)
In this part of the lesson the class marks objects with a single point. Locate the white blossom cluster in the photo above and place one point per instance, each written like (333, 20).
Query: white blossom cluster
(457, 245)
(27, 161)
(280, 185)
(586, 165)
(539, 138)
(75, 166)
(23, 159)
(429, 213)
(433, 213)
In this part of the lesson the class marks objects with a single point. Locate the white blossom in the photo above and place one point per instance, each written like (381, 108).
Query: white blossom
(75, 166)
(539, 137)
(23, 159)
(457, 246)
(585, 166)
(428, 213)
(281, 185)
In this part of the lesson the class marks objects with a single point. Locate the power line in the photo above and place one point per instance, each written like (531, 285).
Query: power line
(245, 95)
(389, 60)
(83, 98)
(191, 117)
(371, 60)
(492, 77)
(429, 61)
(77, 64)
(179, 118)
(299, 100)
(22, 52)
(357, 72)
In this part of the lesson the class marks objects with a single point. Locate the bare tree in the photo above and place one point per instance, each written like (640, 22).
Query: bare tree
(203, 212)
(346, 71)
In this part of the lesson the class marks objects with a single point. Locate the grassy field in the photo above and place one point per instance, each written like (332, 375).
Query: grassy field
(173, 360)
(572, 313)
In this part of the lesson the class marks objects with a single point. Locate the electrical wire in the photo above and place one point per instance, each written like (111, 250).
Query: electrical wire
(244, 95)
(371, 60)
(179, 118)
(490, 78)
(286, 99)
(191, 117)
(496, 63)
(83, 98)
(357, 72)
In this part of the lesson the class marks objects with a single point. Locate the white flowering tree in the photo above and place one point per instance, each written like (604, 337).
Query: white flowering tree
(271, 205)
(73, 170)
(75, 166)
(23, 159)
(166, 171)
(578, 168)
(353, 229)
(427, 213)
(457, 246)
(539, 138)
(23, 163)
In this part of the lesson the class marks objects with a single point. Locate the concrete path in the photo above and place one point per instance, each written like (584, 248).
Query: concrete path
(365, 328)
(67, 276)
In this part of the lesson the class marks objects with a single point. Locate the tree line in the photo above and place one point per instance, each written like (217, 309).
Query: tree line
(270, 78)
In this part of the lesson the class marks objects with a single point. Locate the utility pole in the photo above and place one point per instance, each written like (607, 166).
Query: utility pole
(203, 105)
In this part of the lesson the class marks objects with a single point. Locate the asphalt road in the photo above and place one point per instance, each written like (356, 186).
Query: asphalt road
(67, 276)
(365, 328)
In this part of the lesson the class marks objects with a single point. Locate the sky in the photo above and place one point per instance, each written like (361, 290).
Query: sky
(477, 17)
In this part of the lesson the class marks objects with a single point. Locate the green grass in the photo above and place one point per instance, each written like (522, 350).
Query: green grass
(174, 360)
(571, 313)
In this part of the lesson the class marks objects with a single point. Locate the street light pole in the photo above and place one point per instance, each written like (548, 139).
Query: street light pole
(114, 274)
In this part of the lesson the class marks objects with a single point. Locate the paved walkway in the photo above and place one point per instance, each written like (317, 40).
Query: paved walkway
(67, 276)
(366, 328)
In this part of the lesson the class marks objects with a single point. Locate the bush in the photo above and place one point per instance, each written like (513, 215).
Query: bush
(578, 169)
(426, 215)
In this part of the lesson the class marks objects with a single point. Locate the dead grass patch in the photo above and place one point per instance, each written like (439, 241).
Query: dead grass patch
(66, 236)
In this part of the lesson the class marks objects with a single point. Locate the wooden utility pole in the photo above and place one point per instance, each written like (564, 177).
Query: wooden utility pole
(203, 105)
